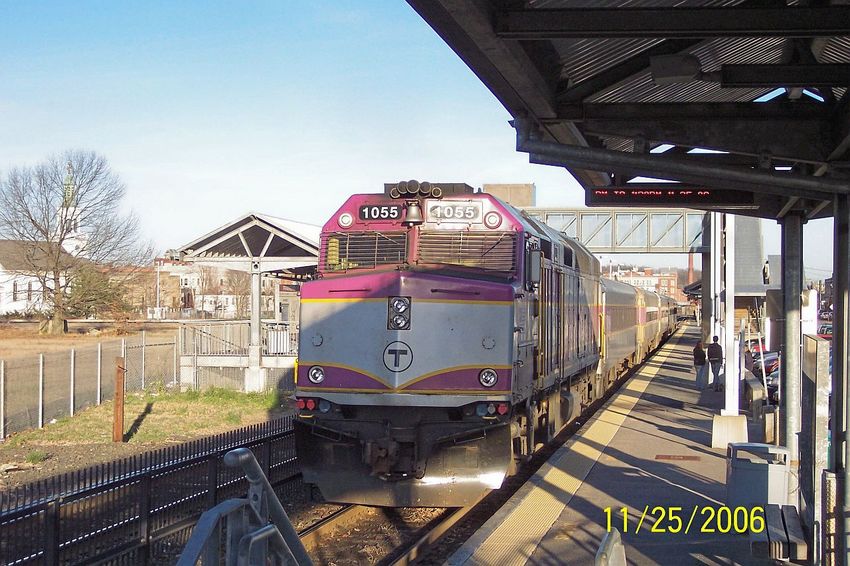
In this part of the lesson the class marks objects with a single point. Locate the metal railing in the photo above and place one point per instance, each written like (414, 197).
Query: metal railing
(141, 509)
(258, 530)
(227, 338)
(219, 338)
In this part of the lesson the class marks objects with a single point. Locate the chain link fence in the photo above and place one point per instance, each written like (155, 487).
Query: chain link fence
(37, 390)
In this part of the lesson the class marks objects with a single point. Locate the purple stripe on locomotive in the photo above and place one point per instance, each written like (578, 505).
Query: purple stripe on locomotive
(346, 378)
(417, 285)
(464, 380)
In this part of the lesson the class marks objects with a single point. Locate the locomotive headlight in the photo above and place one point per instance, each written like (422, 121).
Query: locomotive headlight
(345, 220)
(398, 313)
(488, 377)
(399, 322)
(492, 220)
(316, 374)
(400, 304)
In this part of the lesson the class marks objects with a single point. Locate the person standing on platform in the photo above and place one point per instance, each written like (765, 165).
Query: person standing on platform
(699, 366)
(715, 359)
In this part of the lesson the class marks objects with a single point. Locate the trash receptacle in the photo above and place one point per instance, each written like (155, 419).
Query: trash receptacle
(756, 474)
(277, 339)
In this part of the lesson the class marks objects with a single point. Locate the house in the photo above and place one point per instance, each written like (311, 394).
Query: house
(21, 290)
(662, 283)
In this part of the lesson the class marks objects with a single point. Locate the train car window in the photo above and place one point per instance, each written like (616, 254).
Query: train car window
(363, 250)
(534, 266)
(568, 256)
(490, 251)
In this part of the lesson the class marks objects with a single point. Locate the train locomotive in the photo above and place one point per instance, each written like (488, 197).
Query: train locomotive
(448, 334)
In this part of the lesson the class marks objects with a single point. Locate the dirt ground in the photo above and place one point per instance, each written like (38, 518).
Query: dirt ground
(21, 340)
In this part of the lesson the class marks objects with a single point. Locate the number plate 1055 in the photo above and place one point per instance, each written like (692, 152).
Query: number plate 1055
(457, 212)
(380, 212)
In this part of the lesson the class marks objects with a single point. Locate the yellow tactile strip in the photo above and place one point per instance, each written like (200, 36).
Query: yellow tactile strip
(517, 529)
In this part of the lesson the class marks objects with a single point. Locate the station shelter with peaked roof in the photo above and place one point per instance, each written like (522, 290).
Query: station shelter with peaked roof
(257, 354)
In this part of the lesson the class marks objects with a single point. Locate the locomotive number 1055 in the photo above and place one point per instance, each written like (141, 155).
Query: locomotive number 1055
(469, 212)
(380, 212)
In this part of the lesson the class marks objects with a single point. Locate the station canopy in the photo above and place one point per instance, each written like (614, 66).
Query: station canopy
(258, 242)
(615, 92)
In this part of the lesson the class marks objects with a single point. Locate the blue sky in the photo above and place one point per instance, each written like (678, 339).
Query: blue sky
(208, 110)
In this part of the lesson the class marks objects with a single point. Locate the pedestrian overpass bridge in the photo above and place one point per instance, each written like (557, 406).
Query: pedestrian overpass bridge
(630, 230)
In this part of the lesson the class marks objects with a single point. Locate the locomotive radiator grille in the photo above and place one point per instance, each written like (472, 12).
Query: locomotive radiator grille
(491, 251)
(363, 250)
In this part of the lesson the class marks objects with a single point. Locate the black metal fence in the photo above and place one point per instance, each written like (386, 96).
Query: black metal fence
(139, 510)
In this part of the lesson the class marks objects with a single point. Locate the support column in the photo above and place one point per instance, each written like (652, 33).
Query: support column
(730, 350)
(729, 425)
(707, 306)
(254, 374)
(792, 288)
(840, 402)
(717, 257)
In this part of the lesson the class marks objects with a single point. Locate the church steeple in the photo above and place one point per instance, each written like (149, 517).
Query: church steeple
(74, 241)
(70, 186)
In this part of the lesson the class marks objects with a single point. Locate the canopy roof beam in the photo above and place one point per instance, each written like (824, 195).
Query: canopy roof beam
(649, 165)
(750, 76)
(749, 137)
(678, 111)
(699, 22)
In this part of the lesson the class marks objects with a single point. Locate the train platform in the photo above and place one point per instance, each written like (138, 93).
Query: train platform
(645, 454)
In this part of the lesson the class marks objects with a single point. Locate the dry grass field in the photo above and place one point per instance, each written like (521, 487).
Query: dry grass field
(24, 340)
(152, 420)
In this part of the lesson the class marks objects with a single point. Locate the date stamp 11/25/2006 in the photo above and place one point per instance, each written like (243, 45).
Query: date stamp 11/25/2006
(674, 520)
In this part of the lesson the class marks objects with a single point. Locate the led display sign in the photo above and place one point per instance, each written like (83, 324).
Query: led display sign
(668, 195)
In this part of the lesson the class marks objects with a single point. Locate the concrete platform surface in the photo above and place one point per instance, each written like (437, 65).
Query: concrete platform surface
(646, 455)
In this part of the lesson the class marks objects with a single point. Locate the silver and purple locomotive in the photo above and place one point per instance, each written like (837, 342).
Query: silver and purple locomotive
(447, 335)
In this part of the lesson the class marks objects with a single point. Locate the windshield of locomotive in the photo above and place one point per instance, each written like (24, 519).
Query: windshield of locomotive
(493, 252)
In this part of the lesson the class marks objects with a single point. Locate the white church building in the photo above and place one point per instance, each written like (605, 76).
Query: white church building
(21, 291)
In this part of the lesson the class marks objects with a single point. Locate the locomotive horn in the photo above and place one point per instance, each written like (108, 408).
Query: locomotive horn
(436, 192)
(402, 187)
(414, 213)
(394, 193)
(425, 188)
(412, 187)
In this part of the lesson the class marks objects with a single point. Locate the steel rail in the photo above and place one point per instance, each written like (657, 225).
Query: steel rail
(318, 531)
(427, 541)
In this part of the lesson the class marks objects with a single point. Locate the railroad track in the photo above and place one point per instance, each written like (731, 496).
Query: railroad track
(313, 535)
(331, 539)
(424, 544)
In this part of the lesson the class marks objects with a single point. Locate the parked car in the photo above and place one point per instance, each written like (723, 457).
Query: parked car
(772, 383)
(825, 331)
(756, 345)
(825, 314)
(771, 363)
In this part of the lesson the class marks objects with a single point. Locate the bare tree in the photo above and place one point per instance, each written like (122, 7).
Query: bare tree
(66, 214)
(209, 290)
(238, 284)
